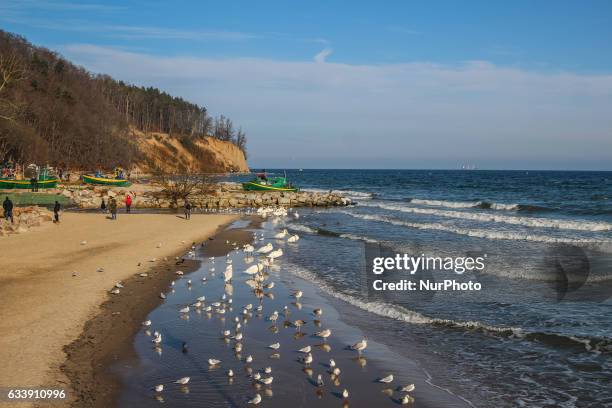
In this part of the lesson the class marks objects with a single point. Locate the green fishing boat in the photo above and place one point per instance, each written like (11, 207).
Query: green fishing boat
(262, 183)
(105, 181)
(41, 175)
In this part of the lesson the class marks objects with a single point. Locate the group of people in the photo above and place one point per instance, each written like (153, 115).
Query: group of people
(111, 207)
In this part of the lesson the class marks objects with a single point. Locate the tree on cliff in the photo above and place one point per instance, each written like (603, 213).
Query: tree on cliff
(52, 111)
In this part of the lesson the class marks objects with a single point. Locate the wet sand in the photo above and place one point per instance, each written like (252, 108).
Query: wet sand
(50, 287)
(295, 384)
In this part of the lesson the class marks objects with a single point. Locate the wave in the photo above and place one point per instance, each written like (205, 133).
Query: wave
(485, 205)
(322, 231)
(357, 195)
(477, 233)
(302, 228)
(487, 217)
(396, 312)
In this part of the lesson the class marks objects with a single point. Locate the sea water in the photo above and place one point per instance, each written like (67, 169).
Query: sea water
(537, 334)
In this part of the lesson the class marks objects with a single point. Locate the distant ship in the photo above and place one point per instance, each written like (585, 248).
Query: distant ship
(469, 167)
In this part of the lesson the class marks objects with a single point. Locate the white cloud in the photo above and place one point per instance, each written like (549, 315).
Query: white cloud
(408, 112)
(320, 57)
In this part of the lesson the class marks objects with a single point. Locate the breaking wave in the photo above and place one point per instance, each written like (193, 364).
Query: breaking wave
(396, 312)
(478, 233)
(488, 217)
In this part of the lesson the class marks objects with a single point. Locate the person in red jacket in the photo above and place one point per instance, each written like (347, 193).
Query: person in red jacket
(128, 203)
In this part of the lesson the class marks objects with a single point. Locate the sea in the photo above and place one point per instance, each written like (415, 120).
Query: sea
(538, 333)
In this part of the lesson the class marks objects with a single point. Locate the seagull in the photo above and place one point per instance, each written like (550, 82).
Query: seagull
(230, 373)
(265, 249)
(323, 333)
(249, 359)
(386, 379)
(308, 359)
(255, 400)
(146, 323)
(253, 269)
(407, 388)
(268, 370)
(320, 380)
(281, 234)
(182, 381)
(345, 393)
(275, 254)
(159, 388)
(317, 312)
(299, 323)
(201, 298)
(162, 295)
(269, 285)
(298, 294)
(227, 275)
(406, 399)
(248, 249)
(157, 339)
(267, 380)
(306, 349)
(360, 345)
(293, 238)
(336, 371)
(214, 361)
(184, 310)
(274, 346)
(332, 363)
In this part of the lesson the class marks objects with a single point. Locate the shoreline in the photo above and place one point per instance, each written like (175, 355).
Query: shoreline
(55, 279)
(108, 337)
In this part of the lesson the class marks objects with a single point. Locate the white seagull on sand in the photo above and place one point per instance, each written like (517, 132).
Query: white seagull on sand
(386, 379)
(182, 381)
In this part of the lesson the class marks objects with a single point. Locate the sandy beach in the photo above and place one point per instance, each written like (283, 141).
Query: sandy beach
(50, 283)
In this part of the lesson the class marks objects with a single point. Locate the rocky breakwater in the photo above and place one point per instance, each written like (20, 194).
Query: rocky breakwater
(24, 219)
(221, 196)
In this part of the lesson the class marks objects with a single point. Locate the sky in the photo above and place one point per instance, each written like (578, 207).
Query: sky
(363, 84)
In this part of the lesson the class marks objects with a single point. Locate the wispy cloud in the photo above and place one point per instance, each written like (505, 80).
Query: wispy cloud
(129, 32)
(58, 5)
(320, 57)
(423, 109)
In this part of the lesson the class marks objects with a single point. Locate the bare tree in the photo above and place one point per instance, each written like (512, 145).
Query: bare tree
(11, 70)
(178, 186)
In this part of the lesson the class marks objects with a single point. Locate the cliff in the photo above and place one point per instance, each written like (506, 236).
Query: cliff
(181, 155)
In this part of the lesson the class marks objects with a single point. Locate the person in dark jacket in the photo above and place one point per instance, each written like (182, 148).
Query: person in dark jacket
(113, 208)
(56, 209)
(187, 210)
(7, 205)
(103, 206)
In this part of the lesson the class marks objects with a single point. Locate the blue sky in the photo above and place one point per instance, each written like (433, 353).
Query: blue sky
(521, 84)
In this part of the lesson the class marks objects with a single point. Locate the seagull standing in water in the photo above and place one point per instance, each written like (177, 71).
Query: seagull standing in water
(387, 379)
(255, 400)
(360, 345)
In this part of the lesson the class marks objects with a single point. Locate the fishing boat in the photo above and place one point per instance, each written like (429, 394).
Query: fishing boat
(41, 174)
(262, 183)
(106, 181)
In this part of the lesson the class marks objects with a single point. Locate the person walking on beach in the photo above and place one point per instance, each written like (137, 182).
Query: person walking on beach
(128, 203)
(7, 205)
(187, 210)
(103, 206)
(56, 209)
(113, 208)
(34, 182)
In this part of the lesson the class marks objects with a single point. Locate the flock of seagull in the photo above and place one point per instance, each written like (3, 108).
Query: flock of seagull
(258, 279)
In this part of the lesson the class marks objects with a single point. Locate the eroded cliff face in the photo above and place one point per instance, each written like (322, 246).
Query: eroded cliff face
(175, 155)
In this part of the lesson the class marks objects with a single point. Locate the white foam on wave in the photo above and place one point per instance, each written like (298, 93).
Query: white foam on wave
(443, 203)
(358, 195)
(465, 204)
(487, 217)
(359, 238)
(397, 312)
(477, 233)
(302, 228)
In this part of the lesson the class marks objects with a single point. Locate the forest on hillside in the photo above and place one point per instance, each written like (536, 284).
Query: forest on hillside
(52, 111)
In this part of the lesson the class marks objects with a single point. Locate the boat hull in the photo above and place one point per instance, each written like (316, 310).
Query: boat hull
(105, 181)
(255, 186)
(7, 184)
